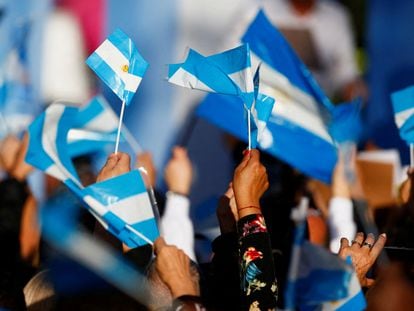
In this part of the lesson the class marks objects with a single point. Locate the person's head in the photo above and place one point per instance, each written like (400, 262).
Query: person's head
(160, 296)
(39, 292)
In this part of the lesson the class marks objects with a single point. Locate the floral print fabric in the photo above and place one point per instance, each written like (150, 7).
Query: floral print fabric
(258, 281)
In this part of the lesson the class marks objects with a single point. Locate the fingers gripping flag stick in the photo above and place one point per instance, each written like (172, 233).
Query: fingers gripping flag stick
(121, 204)
(118, 63)
(403, 105)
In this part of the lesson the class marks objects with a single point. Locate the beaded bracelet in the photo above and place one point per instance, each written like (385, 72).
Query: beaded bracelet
(250, 206)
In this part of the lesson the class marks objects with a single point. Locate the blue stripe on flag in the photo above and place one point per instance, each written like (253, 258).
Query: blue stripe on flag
(122, 186)
(290, 141)
(356, 303)
(228, 73)
(210, 74)
(64, 125)
(87, 113)
(346, 123)
(272, 48)
(125, 45)
(403, 99)
(36, 155)
(403, 105)
(234, 60)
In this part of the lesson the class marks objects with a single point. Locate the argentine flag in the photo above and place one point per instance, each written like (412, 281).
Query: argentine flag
(94, 128)
(261, 111)
(318, 279)
(297, 129)
(227, 73)
(121, 204)
(60, 229)
(118, 63)
(403, 105)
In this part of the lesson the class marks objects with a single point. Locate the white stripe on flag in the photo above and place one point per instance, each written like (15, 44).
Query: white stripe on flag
(185, 79)
(291, 103)
(96, 206)
(79, 135)
(54, 171)
(243, 79)
(106, 121)
(117, 61)
(49, 135)
(402, 116)
(133, 209)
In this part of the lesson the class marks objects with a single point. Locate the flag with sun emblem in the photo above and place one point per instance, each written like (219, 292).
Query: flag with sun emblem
(119, 64)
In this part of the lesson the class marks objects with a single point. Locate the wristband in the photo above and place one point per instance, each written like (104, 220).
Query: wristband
(250, 206)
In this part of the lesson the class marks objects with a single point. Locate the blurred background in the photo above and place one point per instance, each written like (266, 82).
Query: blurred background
(44, 44)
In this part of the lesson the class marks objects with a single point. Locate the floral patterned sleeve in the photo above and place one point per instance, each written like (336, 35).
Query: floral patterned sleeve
(257, 272)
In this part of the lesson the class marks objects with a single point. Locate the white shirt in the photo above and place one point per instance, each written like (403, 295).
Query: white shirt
(176, 225)
(340, 221)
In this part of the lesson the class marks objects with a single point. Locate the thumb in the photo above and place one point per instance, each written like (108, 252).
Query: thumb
(159, 244)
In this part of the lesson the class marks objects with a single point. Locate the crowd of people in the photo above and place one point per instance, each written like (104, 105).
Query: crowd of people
(251, 258)
(249, 263)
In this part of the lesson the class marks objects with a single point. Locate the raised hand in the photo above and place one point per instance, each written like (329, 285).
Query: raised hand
(173, 267)
(363, 253)
(179, 172)
(117, 164)
(249, 183)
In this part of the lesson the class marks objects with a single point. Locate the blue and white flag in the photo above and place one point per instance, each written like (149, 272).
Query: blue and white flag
(354, 300)
(227, 73)
(261, 111)
(346, 123)
(94, 129)
(61, 229)
(119, 64)
(317, 277)
(123, 207)
(299, 121)
(403, 105)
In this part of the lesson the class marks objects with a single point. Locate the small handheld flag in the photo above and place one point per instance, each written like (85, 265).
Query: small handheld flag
(403, 105)
(119, 64)
(121, 204)
(226, 73)
(301, 116)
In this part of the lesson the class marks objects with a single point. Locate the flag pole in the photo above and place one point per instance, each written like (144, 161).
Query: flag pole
(249, 130)
(118, 134)
(411, 155)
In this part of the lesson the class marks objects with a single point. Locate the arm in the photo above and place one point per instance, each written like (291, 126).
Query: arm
(341, 215)
(176, 225)
(173, 268)
(259, 288)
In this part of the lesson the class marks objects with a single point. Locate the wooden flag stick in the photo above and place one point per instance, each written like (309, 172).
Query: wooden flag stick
(118, 135)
